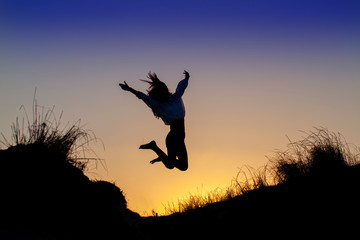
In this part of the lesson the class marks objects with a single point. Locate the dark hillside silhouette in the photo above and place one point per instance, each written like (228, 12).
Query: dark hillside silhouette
(45, 193)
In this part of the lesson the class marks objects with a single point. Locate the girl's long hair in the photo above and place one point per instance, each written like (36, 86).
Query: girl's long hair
(157, 90)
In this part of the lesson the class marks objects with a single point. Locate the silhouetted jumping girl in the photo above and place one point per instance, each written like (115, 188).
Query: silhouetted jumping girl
(170, 108)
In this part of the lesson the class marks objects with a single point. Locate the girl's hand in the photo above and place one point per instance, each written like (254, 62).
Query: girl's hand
(124, 86)
(187, 75)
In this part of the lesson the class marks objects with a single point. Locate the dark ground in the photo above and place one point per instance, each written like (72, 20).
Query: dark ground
(287, 211)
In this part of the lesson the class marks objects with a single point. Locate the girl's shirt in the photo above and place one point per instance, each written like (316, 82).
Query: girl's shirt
(171, 110)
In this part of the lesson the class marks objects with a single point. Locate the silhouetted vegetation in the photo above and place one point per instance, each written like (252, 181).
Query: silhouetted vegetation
(246, 180)
(311, 189)
(70, 144)
(320, 156)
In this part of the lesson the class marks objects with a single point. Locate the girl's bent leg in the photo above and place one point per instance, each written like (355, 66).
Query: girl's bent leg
(177, 152)
(149, 145)
(155, 160)
(162, 157)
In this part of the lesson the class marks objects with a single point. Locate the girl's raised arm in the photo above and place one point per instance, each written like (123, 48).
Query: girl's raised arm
(180, 89)
(124, 86)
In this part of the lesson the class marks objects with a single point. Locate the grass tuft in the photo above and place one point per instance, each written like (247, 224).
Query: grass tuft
(319, 152)
(70, 143)
(245, 181)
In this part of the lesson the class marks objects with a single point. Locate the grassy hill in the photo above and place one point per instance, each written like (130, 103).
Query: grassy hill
(312, 189)
(45, 193)
(285, 210)
(314, 193)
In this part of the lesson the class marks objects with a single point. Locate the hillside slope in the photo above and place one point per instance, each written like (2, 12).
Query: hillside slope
(46, 196)
(308, 208)
(315, 192)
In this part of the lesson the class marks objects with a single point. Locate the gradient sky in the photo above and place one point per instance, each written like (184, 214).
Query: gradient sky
(260, 70)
